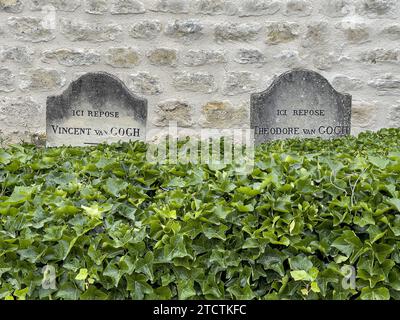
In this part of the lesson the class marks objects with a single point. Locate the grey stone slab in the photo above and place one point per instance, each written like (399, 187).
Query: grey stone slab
(300, 104)
(96, 108)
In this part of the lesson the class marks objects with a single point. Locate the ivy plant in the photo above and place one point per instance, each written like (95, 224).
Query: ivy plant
(314, 219)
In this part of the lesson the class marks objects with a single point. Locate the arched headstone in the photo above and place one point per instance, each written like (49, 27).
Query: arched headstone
(300, 104)
(96, 108)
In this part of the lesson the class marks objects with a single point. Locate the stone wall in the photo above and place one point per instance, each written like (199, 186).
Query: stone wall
(197, 61)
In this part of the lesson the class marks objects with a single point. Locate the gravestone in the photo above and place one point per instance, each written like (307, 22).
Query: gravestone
(300, 104)
(96, 108)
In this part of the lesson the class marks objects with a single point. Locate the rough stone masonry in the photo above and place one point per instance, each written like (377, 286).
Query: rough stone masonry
(197, 62)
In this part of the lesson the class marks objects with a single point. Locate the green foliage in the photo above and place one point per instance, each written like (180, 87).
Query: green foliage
(114, 226)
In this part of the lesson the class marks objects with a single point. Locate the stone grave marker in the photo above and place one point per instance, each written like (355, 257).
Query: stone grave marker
(300, 104)
(94, 109)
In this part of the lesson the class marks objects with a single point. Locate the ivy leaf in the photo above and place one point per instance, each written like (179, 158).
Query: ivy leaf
(395, 226)
(273, 259)
(248, 191)
(395, 203)
(82, 275)
(348, 243)
(145, 265)
(96, 210)
(300, 275)
(375, 233)
(21, 294)
(379, 162)
(366, 218)
(300, 262)
(382, 251)
(92, 293)
(5, 158)
(115, 186)
(394, 279)
(113, 272)
(375, 294)
(221, 212)
(21, 194)
(67, 291)
(186, 289)
(315, 288)
(243, 208)
(241, 293)
(176, 248)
